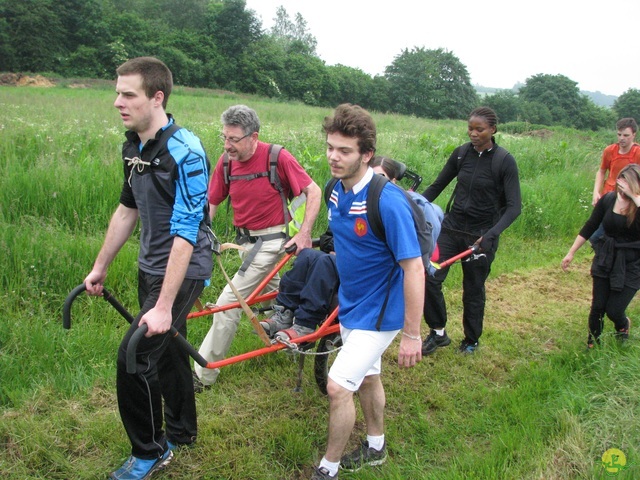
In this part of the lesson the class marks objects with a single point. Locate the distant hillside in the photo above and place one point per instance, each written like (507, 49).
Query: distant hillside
(598, 98)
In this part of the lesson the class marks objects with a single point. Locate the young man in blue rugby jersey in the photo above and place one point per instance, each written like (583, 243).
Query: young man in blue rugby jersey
(381, 291)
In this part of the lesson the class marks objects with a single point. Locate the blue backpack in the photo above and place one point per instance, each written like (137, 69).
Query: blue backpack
(434, 216)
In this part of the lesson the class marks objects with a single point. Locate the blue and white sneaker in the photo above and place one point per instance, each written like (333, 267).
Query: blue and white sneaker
(140, 469)
(467, 347)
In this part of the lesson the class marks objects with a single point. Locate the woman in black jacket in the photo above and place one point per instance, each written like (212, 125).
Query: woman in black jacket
(486, 200)
(616, 265)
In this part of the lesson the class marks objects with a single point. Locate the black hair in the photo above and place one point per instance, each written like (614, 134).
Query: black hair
(488, 114)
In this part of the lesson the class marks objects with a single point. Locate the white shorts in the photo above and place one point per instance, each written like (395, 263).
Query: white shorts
(360, 356)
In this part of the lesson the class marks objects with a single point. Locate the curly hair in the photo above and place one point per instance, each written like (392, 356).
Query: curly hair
(355, 122)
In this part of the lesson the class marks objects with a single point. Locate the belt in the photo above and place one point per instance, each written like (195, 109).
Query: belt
(243, 235)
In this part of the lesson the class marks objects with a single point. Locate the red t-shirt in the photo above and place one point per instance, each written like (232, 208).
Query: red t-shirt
(256, 203)
(614, 161)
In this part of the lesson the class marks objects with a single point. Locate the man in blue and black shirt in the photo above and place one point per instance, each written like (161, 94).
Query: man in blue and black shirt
(166, 172)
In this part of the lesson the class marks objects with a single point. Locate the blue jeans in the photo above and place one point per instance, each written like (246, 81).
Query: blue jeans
(309, 287)
(597, 235)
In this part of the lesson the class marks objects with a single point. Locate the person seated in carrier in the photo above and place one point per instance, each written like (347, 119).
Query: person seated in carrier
(306, 293)
(308, 290)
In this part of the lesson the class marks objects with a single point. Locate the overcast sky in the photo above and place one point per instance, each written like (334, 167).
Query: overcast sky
(501, 42)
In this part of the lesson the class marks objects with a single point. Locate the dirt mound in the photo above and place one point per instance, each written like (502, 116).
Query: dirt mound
(542, 133)
(20, 80)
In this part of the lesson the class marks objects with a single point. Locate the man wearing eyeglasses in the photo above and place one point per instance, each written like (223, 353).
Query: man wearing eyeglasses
(258, 217)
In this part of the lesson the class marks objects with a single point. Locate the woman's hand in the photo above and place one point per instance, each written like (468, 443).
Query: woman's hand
(623, 188)
(566, 261)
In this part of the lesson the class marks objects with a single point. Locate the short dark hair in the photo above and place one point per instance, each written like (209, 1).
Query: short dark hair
(627, 123)
(488, 114)
(355, 122)
(241, 116)
(156, 76)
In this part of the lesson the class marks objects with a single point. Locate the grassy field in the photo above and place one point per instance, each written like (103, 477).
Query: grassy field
(532, 404)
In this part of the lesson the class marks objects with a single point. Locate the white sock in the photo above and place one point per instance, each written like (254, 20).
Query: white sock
(331, 466)
(439, 331)
(376, 442)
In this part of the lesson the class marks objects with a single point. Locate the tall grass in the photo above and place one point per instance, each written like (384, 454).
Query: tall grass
(531, 404)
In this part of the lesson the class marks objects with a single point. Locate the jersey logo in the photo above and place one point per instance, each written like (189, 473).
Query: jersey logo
(360, 227)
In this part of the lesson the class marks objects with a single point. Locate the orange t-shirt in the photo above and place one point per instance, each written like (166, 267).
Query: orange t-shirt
(614, 161)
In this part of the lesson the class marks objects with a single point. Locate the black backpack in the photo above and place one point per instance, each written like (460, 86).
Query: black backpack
(424, 229)
(274, 180)
(169, 197)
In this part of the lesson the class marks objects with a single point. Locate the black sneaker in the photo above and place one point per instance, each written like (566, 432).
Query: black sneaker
(623, 334)
(321, 473)
(433, 341)
(198, 386)
(363, 455)
(467, 347)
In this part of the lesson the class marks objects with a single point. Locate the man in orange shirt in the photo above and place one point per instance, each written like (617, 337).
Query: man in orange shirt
(614, 158)
(617, 156)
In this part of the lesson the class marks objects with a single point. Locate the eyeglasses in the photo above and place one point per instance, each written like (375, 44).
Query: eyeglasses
(232, 140)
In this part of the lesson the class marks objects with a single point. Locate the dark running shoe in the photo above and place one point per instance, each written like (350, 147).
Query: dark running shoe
(363, 455)
(321, 473)
(281, 319)
(467, 347)
(296, 331)
(623, 334)
(198, 386)
(433, 341)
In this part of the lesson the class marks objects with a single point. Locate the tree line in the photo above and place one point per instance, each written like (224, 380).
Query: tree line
(221, 44)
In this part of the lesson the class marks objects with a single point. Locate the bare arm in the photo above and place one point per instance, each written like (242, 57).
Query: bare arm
(577, 243)
(120, 228)
(212, 210)
(159, 318)
(597, 187)
(410, 351)
(302, 239)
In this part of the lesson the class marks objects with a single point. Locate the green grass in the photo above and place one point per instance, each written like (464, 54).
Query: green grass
(532, 404)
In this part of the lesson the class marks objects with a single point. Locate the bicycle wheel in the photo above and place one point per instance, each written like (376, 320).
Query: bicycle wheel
(326, 353)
